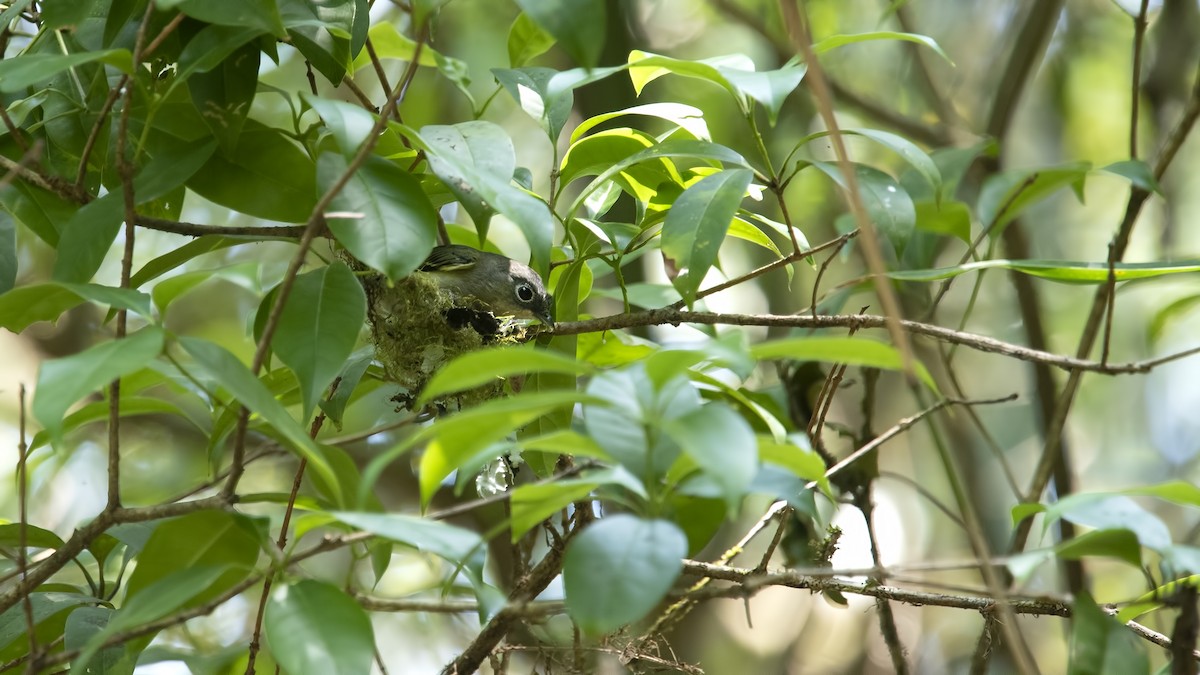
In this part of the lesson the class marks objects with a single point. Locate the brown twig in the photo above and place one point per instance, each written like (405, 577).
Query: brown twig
(798, 31)
(316, 223)
(525, 591)
(667, 315)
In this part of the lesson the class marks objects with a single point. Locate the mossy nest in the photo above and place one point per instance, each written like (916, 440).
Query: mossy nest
(417, 328)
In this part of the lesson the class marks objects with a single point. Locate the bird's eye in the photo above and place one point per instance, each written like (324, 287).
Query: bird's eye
(524, 292)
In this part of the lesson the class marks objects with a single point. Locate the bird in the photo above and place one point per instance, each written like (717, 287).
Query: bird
(490, 281)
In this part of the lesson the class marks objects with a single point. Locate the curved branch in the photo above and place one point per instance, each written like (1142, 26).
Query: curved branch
(656, 317)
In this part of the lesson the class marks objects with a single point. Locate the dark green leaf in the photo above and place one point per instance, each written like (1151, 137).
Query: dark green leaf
(383, 217)
(87, 237)
(29, 69)
(213, 539)
(319, 326)
(267, 176)
(618, 569)
(578, 25)
(210, 48)
(1100, 645)
(85, 623)
(166, 595)
(13, 623)
(351, 374)
(63, 381)
(261, 14)
(177, 257)
(696, 225)
(8, 251)
(223, 95)
(314, 628)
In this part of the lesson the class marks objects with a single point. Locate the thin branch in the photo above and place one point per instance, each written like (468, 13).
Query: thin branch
(903, 425)
(667, 315)
(1135, 86)
(527, 588)
(796, 19)
(23, 535)
(316, 223)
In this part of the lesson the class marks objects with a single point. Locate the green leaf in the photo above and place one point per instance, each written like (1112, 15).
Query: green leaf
(213, 539)
(530, 87)
(224, 94)
(63, 381)
(46, 606)
(477, 368)
(888, 205)
(689, 118)
(723, 445)
(177, 257)
(8, 252)
(210, 47)
(1006, 195)
(87, 237)
(1106, 511)
(314, 628)
(849, 350)
(131, 406)
(26, 70)
(801, 462)
(468, 154)
(389, 43)
(261, 14)
(456, 439)
(472, 157)
(320, 323)
(327, 32)
(1100, 645)
(444, 540)
(696, 225)
(1066, 271)
(83, 625)
(734, 73)
(836, 41)
(351, 374)
(220, 365)
(950, 217)
(35, 537)
(526, 41)
(702, 150)
(531, 504)
(1138, 173)
(384, 218)
(26, 305)
(628, 427)
(578, 25)
(267, 176)
(595, 154)
(349, 123)
(619, 569)
(166, 595)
